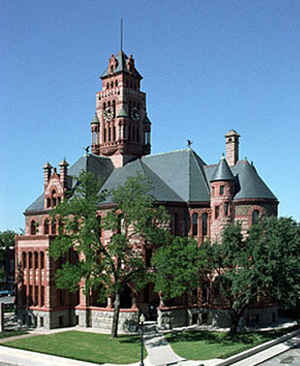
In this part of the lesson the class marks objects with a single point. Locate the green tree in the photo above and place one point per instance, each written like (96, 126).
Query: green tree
(7, 239)
(178, 269)
(107, 266)
(275, 253)
(231, 277)
(265, 264)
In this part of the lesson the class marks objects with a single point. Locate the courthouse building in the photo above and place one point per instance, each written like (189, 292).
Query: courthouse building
(201, 199)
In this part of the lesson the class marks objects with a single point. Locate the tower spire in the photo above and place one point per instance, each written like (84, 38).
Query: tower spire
(121, 34)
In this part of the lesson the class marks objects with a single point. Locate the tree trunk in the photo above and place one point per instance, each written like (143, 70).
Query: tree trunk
(115, 323)
(235, 319)
(234, 324)
(186, 307)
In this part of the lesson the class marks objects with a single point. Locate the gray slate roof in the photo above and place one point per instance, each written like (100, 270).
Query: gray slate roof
(249, 183)
(222, 171)
(122, 66)
(102, 167)
(177, 176)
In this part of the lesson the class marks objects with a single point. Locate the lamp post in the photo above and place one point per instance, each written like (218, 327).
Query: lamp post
(141, 325)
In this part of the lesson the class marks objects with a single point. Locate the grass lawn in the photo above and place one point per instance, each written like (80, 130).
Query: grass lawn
(204, 345)
(92, 347)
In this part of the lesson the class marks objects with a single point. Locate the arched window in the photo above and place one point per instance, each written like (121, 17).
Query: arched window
(104, 135)
(226, 208)
(24, 256)
(30, 260)
(60, 226)
(48, 202)
(116, 83)
(53, 227)
(54, 198)
(109, 134)
(195, 224)
(137, 134)
(36, 260)
(114, 133)
(42, 260)
(204, 223)
(33, 227)
(46, 227)
(111, 84)
(114, 108)
(107, 85)
(255, 217)
(221, 190)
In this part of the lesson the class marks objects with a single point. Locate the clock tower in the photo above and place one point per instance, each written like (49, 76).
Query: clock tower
(120, 128)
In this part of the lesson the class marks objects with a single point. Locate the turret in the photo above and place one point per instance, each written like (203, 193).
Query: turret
(95, 129)
(222, 191)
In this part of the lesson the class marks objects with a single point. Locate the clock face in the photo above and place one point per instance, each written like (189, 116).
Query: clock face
(108, 115)
(136, 114)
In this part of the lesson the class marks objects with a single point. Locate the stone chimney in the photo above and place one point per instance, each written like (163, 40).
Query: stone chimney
(63, 172)
(47, 173)
(232, 147)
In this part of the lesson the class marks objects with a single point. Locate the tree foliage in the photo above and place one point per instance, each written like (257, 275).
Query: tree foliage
(7, 239)
(107, 264)
(178, 268)
(263, 265)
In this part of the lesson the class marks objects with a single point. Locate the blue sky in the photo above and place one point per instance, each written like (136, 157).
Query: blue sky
(208, 67)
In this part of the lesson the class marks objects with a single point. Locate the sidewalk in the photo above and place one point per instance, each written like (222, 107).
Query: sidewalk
(159, 352)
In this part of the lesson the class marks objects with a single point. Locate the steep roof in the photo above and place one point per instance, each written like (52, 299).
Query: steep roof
(121, 66)
(249, 183)
(176, 176)
(222, 171)
(102, 167)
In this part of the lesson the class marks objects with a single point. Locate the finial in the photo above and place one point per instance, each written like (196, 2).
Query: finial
(189, 143)
(223, 155)
(86, 149)
(121, 34)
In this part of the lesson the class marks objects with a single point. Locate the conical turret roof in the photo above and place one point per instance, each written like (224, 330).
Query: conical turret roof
(222, 171)
(95, 120)
(123, 113)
